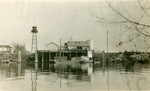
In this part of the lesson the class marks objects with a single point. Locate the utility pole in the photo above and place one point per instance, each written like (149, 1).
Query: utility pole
(60, 47)
(107, 67)
(107, 42)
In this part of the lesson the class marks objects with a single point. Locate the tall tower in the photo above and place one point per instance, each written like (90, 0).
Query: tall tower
(34, 32)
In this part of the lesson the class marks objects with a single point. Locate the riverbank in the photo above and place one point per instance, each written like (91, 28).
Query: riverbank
(142, 57)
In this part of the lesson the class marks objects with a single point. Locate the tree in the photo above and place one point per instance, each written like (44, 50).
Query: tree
(18, 47)
(131, 17)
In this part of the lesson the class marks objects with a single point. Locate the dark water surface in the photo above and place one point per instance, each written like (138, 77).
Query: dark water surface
(74, 77)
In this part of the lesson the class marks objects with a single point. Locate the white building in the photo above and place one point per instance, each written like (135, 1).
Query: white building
(6, 49)
(52, 46)
(88, 45)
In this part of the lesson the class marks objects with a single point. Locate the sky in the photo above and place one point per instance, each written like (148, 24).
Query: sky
(54, 19)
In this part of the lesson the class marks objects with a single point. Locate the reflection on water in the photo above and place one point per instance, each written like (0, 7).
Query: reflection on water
(34, 77)
(71, 76)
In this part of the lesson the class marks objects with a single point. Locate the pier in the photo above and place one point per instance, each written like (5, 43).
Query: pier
(47, 56)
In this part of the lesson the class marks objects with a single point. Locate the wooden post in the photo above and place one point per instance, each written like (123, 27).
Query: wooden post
(19, 69)
(70, 55)
(36, 67)
(36, 57)
(42, 67)
(19, 56)
(42, 57)
(60, 47)
(103, 56)
(63, 54)
(49, 56)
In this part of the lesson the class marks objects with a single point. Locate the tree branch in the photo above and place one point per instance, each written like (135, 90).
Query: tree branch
(134, 22)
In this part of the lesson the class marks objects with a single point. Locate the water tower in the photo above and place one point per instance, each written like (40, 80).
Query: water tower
(34, 32)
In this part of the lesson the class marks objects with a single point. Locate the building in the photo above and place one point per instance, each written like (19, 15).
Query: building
(52, 46)
(71, 50)
(85, 45)
(6, 49)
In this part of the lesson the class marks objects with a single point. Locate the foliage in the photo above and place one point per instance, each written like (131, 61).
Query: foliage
(128, 54)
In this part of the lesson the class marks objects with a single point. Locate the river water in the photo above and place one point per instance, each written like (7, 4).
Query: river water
(74, 77)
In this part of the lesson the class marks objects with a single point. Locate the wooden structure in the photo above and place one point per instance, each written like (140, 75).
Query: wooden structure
(47, 56)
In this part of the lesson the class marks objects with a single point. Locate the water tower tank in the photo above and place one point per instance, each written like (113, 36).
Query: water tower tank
(34, 29)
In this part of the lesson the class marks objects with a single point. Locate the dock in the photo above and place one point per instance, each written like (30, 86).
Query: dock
(47, 55)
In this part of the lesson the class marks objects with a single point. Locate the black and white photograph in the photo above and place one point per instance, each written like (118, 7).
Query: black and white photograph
(74, 45)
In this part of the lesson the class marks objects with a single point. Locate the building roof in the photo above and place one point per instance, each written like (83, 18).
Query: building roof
(6, 46)
(51, 43)
(78, 43)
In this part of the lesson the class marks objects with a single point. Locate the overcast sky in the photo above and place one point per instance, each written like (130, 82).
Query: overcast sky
(54, 19)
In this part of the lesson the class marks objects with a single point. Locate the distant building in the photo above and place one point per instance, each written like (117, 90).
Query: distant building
(6, 49)
(52, 46)
(85, 45)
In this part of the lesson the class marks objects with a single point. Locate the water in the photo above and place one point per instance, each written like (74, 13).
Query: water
(74, 77)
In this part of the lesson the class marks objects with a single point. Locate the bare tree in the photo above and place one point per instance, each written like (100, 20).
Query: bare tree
(132, 17)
